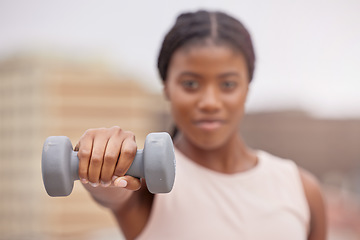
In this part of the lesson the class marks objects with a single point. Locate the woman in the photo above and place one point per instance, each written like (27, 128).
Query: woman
(223, 189)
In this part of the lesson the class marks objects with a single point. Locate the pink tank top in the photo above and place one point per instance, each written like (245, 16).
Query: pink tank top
(266, 202)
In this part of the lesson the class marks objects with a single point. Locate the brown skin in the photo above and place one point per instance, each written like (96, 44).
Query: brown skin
(318, 222)
(207, 88)
(99, 151)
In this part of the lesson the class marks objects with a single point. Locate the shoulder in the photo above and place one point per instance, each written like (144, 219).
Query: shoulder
(284, 167)
(312, 189)
(310, 182)
(316, 203)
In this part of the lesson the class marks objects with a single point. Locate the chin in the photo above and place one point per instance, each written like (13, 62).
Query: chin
(209, 143)
(208, 140)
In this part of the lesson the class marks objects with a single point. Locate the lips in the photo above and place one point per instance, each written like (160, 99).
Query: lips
(209, 124)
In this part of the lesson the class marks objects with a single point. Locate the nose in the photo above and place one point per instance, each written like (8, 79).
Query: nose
(210, 100)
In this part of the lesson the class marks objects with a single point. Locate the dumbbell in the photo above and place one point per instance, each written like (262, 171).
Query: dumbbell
(155, 163)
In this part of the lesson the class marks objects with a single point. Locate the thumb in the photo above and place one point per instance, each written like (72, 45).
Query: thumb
(127, 182)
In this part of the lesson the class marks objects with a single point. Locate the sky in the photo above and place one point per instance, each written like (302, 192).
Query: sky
(308, 51)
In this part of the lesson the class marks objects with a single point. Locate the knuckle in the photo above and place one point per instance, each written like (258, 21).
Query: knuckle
(128, 151)
(111, 157)
(96, 160)
(102, 129)
(84, 153)
(89, 132)
(116, 129)
(100, 132)
(129, 134)
(92, 132)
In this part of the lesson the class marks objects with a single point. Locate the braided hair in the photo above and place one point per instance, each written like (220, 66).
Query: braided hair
(202, 25)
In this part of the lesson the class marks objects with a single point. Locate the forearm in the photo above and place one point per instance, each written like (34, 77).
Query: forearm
(110, 197)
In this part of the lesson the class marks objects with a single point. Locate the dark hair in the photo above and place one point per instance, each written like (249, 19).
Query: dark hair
(202, 25)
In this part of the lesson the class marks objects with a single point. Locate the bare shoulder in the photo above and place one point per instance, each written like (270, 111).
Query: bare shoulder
(314, 196)
(310, 182)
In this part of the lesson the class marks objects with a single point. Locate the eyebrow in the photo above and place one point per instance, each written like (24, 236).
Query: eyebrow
(191, 74)
(229, 74)
(222, 75)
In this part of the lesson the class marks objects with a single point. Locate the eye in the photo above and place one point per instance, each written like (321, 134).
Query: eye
(190, 84)
(228, 85)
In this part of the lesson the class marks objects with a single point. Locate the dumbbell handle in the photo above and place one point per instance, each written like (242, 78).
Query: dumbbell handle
(136, 169)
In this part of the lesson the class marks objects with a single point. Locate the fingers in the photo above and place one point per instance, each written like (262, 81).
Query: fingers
(85, 149)
(110, 159)
(105, 153)
(128, 182)
(96, 160)
(127, 155)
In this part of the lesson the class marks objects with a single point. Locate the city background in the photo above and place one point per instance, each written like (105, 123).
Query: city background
(60, 74)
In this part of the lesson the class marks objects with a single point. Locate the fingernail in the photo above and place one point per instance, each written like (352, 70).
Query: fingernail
(94, 184)
(114, 178)
(105, 184)
(84, 180)
(121, 183)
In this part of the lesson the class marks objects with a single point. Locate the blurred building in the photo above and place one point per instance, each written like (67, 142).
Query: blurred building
(323, 146)
(43, 96)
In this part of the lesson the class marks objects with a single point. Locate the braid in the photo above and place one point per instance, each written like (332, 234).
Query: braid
(188, 26)
(202, 25)
(234, 32)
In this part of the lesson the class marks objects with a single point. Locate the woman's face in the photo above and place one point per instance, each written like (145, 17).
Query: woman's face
(207, 87)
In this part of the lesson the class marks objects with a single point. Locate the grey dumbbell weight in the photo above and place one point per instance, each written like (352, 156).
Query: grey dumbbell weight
(155, 163)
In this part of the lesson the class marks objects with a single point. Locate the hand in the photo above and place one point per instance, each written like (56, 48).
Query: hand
(105, 155)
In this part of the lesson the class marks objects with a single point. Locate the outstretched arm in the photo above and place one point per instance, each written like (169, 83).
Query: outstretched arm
(105, 155)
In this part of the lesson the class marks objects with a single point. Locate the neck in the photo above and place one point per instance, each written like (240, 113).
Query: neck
(231, 157)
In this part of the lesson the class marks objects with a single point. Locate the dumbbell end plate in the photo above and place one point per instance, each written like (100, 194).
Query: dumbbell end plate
(55, 166)
(160, 164)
